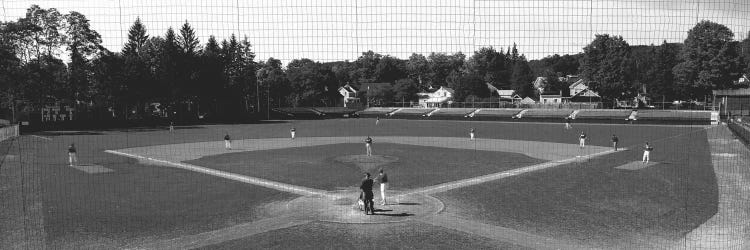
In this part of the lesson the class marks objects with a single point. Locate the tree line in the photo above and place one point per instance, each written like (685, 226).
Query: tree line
(225, 79)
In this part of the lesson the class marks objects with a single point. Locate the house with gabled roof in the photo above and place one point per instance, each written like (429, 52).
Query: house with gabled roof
(436, 97)
(348, 96)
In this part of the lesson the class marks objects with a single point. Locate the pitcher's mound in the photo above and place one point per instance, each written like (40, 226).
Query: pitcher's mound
(636, 165)
(367, 163)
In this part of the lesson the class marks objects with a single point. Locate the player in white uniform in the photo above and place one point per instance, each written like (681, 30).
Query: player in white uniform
(647, 153)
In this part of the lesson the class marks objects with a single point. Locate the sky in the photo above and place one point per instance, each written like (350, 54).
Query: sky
(334, 30)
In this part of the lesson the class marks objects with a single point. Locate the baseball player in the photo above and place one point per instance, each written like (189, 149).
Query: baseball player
(646, 153)
(582, 140)
(72, 155)
(227, 142)
(368, 145)
(292, 131)
(615, 140)
(471, 133)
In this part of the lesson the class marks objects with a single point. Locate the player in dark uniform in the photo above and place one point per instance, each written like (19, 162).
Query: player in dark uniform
(367, 194)
(615, 140)
(368, 145)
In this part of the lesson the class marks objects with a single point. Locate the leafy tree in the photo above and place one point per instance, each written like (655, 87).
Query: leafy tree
(366, 65)
(418, 68)
(84, 44)
(441, 65)
(606, 65)
(390, 69)
(405, 89)
(308, 82)
(491, 66)
(745, 53)
(657, 75)
(709, 60)
(272, 77)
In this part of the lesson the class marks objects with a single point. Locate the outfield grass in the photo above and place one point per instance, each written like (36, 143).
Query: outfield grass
(593, 201)
(138, 203)
(317, 167)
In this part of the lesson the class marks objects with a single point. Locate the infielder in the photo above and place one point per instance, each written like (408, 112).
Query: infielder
(227, 142)
(615, 140)
(72, 157)
(292, 131)
(582, 140)
(368, 145)
(471, 133)
(646, 153)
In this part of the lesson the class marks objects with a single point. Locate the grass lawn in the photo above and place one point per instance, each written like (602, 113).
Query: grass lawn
(593, 200)
(321, 235)
(318, 166)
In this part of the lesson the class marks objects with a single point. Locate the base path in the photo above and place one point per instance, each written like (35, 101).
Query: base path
(550, 151)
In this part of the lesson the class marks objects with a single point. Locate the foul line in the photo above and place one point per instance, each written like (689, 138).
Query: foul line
(491, 177)
(42, 137)
(304, 191)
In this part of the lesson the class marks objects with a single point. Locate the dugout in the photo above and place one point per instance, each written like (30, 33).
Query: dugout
(733, 102)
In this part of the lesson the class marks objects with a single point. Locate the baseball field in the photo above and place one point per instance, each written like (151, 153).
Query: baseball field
(516, 186)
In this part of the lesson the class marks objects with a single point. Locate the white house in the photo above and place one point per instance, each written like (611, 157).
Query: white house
(551, 99)
(435, 98)
(349, 95)
(508, 95)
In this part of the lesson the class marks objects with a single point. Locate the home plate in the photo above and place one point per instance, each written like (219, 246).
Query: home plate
(636, 165)
(93, 169)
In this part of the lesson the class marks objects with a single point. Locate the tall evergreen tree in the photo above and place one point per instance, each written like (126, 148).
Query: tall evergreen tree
(137, 37)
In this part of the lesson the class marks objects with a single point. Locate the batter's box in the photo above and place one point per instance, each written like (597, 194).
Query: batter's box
(93, 169)
(636, 165)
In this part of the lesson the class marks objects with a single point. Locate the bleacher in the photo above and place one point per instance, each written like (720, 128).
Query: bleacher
(547, 113)
(451, 113)
(299, 113)
(375, 111)
(332, 112)
(603, 114)
(411, 113)
(495, 114)
(672, 116)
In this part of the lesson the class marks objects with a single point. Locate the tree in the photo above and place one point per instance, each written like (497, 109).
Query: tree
(405, 89)
(187, 40)
(491, 66)
(390, 69)
(418, 68)
(84, 44)
(522, 78)
(441, 66)
(137, 37)
(745, 53)
(658, 77)
(273, 78)
(709, 60)
(606, 65)
(47, 37)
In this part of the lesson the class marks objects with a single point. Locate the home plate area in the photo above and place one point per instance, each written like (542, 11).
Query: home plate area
(636, 165)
